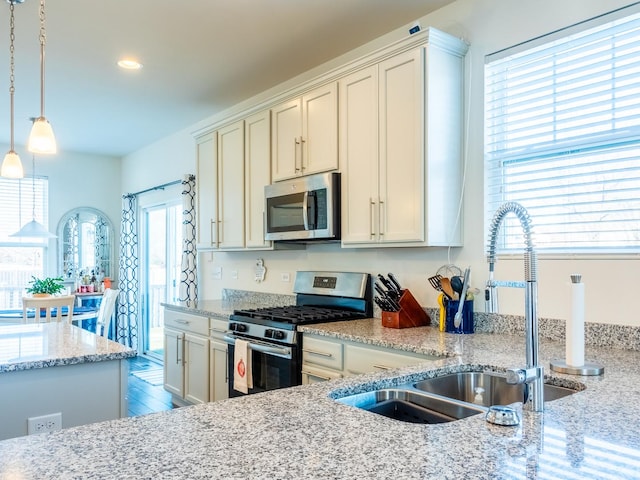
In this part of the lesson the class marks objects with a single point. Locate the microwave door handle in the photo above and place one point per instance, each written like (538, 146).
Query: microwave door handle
(305, 214)
(313, 210)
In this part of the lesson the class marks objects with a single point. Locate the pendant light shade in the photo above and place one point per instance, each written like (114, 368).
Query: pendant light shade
(41, 139)
(33, 229)
(12, 166)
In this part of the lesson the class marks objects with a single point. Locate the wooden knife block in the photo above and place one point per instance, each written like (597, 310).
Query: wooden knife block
(411, 314)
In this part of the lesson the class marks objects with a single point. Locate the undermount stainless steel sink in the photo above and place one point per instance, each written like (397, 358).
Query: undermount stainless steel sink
(446, 398)
(412, 406)
(485, 388)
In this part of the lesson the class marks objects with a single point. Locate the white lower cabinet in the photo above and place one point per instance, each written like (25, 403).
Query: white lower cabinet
(186, 357)
(325, 358)
(218, 362)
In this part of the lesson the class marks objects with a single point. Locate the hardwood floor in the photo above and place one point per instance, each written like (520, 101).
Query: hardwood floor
(145, 397)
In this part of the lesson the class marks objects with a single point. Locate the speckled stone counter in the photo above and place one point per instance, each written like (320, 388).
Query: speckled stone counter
(303, 433)
(31, 346)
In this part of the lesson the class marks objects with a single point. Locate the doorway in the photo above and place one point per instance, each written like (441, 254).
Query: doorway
(162, 256)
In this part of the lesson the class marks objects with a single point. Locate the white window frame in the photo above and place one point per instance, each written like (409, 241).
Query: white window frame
(534, 145)
(17, 208)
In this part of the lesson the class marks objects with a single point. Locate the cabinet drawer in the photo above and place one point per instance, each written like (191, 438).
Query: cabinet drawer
(218, 327)
(321, 352)
(186, 322)
(314, 375)
(364, 360)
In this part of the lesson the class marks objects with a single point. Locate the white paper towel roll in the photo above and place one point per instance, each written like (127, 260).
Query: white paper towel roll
(575, 324)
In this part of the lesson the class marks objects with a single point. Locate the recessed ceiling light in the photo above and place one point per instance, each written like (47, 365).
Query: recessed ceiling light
(129, 64)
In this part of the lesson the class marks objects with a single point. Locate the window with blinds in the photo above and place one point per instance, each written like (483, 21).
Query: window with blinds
(21, 258)
(562, 137)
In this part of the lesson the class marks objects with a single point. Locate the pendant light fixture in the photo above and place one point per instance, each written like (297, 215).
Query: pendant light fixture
(11, 165)
(41, 139)
(33, 229)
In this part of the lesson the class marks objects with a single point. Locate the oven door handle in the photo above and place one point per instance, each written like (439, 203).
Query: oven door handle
(258, 347)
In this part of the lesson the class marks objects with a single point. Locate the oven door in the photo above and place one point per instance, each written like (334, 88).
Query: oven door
(273, 366)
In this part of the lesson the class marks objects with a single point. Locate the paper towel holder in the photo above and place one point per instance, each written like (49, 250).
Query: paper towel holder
(588, 368)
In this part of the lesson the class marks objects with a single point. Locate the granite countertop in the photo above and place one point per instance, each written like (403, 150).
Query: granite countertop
(42, 345)
(302, 433)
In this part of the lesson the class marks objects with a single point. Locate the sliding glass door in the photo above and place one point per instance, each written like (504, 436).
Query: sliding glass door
(162, 247)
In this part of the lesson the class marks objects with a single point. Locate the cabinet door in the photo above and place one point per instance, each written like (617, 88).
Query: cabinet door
(206, 191)
(359, 156)
(231, 185)
(320, 130)
(401, 103)
(219, 380)
(285, 140)
(196, 368)
(366, 359)
(257, 174)
(173, 361)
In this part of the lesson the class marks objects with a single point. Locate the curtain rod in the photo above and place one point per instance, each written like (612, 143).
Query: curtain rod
(157, 187)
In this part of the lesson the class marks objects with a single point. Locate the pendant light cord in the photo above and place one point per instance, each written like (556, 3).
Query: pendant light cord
(43, 37)
(12, 78)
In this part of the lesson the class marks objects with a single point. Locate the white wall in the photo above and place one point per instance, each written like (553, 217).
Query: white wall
(488, 25)
(75, 180)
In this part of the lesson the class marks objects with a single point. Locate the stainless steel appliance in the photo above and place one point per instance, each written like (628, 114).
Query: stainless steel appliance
(274, 343)
(303, 209)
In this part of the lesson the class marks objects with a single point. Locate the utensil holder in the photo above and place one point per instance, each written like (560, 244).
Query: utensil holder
(466, 326)
(411, 314)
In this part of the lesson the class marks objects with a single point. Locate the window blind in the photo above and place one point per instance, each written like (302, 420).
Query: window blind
(17, 208)
(562, 137)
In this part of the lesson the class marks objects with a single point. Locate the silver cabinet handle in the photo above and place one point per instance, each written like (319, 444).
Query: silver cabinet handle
(302, 142)
(297, 142)
(220, 330)
(321, 377)
(315, 352)
(382, 367)
(183, 322)
(382, 226)
(372, 210)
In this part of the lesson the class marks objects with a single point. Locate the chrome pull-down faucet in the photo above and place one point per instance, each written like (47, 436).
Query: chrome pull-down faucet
(533, 373)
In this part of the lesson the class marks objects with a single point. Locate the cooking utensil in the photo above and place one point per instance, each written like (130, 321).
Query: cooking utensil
(445, 283)
(456, 284)
(457, 319)
(443, 312)
(435, 282)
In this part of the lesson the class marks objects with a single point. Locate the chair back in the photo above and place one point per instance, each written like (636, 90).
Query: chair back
(105, 313)
(48, 309)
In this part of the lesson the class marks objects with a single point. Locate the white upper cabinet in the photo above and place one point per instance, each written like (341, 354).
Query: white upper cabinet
(206, 190)
(305, 134)
(257, 174)
(231, 186)
(400, 149)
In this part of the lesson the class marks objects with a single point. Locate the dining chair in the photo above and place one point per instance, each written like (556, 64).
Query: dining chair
(105, 313)
(52, 307)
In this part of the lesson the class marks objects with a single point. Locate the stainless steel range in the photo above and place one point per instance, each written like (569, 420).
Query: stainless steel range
(273, 341)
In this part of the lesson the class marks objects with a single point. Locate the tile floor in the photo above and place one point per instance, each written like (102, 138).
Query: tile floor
(143, 397)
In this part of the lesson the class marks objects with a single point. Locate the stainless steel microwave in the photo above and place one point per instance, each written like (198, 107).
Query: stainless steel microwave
(305, 208)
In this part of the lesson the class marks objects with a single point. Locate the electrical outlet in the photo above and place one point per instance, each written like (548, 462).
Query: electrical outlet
(285, 277)
(217, 273)
(44, 423)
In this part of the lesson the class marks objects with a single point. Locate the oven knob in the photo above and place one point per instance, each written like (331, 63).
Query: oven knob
(268, 333)
(240, 327)
(233, 326)
(278, 335)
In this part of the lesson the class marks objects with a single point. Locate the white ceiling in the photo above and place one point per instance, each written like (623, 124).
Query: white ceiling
(199, 56)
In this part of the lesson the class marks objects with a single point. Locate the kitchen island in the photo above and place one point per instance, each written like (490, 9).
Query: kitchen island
(56, 368)
(303, 433)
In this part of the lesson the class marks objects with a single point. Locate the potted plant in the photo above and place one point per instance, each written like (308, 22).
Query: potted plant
(44, 287)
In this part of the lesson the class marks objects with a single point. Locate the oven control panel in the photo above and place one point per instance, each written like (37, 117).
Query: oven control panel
(263, 332)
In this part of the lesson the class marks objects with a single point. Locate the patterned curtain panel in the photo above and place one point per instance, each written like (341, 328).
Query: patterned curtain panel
(188, 276)
(127, 313)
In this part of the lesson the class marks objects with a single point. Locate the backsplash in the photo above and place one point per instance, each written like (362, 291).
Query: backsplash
(596, 334)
